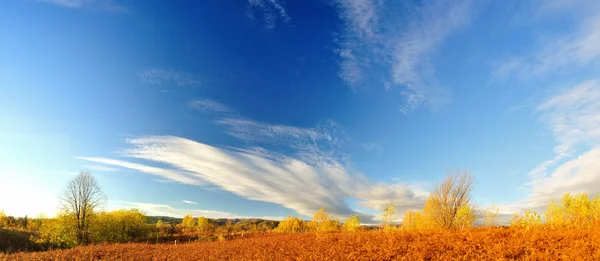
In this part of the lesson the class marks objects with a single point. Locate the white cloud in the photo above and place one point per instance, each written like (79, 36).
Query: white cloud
(573, 116)
(327, 132)
(108, 5)
(302, 185)
(580, 174)
(577, 49)
(100, 168)
(208, 105)
(167, 210)
(379, 43)
(156, 76)
(169, 174)
(271, 11)
(69, 3)
(372, 146)
(189, 202)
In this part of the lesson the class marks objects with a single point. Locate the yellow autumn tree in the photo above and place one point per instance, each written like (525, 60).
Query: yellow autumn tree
(574, 211)
(555, 216)
(352, 223)
(388, 216)
(464, 218)
(320, 220)
(448, 197)
(411, 219)
(426, 219)
(188, 222)
(595, 210)
(58, 232)
(3, 219)
(530, 219)
(290, 225)
(119, 226)
(490, 218)
(203, 224)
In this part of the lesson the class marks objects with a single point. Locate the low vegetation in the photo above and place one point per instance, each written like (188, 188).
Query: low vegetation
(469, 244)
(443, 230)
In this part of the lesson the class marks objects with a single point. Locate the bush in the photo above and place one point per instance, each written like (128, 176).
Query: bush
(17, 240)
(119, 226)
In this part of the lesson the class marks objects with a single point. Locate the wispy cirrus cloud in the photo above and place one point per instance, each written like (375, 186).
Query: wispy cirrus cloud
(570, 114)
(315, 175)
(157, 76)
(69, 3)
(207, 105)
(394, 50)
(101, 168)
(372, 146)
(573, 117)
(189, 202)
(169, 174)
(271, 11)
(327, 133)
(559, 52)
(104, 4)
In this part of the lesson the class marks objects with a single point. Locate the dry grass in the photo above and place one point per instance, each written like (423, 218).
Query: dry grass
(474, 244)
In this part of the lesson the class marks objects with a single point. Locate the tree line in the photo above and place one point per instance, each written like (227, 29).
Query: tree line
(81, 219)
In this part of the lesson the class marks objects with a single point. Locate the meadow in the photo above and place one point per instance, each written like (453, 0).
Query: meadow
(445, 229)
(497, 243)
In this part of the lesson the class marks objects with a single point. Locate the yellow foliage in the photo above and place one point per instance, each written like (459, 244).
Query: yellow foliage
(203, 224)
(388, 216)
(530, 219)
(352, 223)
(59, 232)
(447, 198)
(411, 219)
(124, 225)
(320, 220)
(3, 219)
(188, 222)
(491, 217)
(464, 217)
(576, 211)
(290, 225)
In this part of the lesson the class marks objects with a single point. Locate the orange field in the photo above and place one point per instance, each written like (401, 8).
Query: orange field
(474, 244)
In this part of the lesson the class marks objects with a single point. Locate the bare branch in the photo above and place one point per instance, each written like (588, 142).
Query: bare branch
(81, 199)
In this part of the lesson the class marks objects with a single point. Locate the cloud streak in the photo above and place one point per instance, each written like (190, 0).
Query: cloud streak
(573, 116)
(577, 49)
(169, 174)
(108, 5)
(189, 202)
(161, 77)
(208, 105)
(300, 184)
(271, 11)
(69, 3)
(381, 45)
(372, 146)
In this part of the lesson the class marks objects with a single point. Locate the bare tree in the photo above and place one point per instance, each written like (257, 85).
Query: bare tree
(82, 197)
(448, 197)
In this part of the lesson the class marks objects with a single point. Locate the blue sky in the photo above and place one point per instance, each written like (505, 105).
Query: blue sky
(269, 108)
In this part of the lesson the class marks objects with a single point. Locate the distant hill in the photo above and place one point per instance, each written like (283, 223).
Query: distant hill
(216, 221)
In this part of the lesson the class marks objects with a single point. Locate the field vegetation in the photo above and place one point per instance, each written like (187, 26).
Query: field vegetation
(445, 229)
